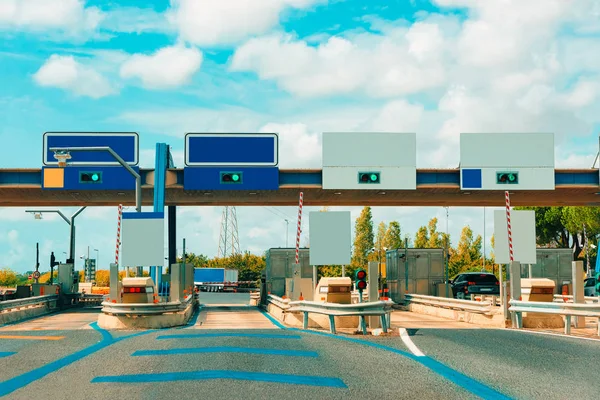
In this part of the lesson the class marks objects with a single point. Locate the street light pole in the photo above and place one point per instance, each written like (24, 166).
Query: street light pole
(287, 229)
(70, 222)
(447, 246)
(138, 178)
(97, 258)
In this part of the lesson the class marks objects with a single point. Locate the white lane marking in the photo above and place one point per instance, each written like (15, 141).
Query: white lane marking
(409, 343)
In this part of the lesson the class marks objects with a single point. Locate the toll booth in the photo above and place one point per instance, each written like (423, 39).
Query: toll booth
(334, 290)
(68, 279)
(538, 289)
(137, 290)
(45, 289)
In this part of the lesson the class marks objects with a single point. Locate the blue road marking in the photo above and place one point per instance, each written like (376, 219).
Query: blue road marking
(459, 379)
(20, 381)
(223, 349)
(7, 353)
(218, 374)
(213, 335)
(273, 320)
(192, 320)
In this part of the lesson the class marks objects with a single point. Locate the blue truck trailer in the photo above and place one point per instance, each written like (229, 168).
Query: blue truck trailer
(215, 279)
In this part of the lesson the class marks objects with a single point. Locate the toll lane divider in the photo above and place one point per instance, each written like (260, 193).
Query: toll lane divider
(469, 384)
(214, 335)
(222, 349)
(219, 374)
(20, 381)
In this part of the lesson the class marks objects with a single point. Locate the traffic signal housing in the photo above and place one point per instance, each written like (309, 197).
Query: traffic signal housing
(507, 178)
(369, 177)
(360, 280)
(90, 177)
(231, 177)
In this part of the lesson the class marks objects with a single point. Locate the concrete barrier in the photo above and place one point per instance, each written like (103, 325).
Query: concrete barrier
(26, 313)
(495, 320)
(166, 320)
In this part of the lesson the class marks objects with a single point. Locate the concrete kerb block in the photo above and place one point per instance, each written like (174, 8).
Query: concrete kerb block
(169, 320)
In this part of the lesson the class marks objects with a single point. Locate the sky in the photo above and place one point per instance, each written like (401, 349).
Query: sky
(296, 67)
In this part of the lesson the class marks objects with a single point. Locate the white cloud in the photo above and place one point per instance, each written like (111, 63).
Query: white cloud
(167, 68)
(70, 16)
(136, 20)
(378, 65)
(301, 147)
(66, 73)
(208, 23)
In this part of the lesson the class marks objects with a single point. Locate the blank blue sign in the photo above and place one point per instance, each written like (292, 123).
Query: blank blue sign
(126, 145)
(231, 149)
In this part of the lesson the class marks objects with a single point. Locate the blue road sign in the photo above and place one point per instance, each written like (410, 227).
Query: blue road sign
(231, 149)
(125, 144)
(88, 178)
(212, 178)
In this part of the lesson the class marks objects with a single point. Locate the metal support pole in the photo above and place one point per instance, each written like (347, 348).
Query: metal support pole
(71, 223)
(138, 178)
(578, 291)
(515, 287)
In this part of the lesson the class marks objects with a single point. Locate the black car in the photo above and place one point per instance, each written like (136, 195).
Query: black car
(464, 285)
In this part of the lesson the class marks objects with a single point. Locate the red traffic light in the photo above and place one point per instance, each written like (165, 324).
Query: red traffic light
(361, 274)
(361, 285)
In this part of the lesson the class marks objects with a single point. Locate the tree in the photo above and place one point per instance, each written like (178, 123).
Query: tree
(379, 252)
(199, 261)
(435, 240)
(393, 238)
(467, 255)
(103, 278)
(363, 239)
(8, 277)
(421, 238)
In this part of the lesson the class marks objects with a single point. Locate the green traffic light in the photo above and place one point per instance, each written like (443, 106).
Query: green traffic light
(235, 177)
(511, 177)
(95, 177)
(373, 177)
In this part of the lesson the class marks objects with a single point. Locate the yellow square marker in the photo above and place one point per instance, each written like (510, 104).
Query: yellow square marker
(54, 178)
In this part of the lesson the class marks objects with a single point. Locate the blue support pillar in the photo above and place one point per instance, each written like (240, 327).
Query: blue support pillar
(160, 178)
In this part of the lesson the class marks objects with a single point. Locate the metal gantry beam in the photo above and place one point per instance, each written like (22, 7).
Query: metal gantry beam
(138, 178)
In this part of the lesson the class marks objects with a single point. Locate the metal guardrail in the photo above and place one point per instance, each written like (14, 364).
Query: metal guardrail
(375, 308)
(10, 305)
(91, 298)
(146, 308)
(480, 307)
(559, 298)
(518, 307)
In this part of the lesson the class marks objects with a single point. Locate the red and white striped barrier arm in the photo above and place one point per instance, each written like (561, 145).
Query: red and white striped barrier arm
(510, 246)
(299, 227)
(118, 233)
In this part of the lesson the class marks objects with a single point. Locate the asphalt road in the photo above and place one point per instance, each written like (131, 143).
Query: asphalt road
(213, 362)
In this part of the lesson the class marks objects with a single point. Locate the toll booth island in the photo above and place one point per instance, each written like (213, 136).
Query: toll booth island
(334, 290)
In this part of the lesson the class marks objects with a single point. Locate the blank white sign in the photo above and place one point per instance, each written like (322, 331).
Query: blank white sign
(330, 236)
(143, 241)
(523, 236)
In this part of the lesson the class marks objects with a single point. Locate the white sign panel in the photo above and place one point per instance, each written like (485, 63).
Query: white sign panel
(330, 236)
(143, 239)
(348, 154)
(498, 150)
(528, 157)
(522, 224)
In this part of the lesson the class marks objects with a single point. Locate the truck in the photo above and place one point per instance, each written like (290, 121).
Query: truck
(215, 279)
